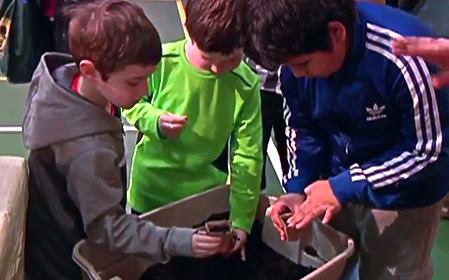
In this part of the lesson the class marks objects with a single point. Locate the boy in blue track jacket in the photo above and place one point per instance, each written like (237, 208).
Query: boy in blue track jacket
(368, 121)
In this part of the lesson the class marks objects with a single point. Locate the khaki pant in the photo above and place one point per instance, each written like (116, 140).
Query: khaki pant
(390, 244)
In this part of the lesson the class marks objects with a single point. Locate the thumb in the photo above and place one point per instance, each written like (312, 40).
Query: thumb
(307, 190)
(269, 211)
(328, 215)
(176, 119)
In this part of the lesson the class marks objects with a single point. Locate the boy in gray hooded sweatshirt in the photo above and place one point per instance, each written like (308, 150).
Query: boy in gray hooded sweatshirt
(72, 127)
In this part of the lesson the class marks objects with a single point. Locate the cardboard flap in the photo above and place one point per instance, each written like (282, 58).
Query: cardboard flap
(318, 246)
(13, 208)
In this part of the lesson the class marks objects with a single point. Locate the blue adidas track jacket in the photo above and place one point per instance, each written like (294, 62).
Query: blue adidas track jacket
(376, 128)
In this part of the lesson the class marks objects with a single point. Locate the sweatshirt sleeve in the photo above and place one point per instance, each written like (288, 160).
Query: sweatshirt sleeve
(306, 147)
(143, 115)
(246, 162)
(384, 182)
(95, 185)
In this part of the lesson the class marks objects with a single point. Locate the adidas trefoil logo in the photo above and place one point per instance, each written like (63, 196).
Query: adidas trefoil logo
(376, 113)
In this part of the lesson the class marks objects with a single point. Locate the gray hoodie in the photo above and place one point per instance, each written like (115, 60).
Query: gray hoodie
(76, 187)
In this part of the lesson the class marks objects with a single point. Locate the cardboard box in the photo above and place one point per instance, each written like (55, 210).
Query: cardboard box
(333, 248)
(13, 209)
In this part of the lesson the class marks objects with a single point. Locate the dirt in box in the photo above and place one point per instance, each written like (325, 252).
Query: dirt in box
(262, 263)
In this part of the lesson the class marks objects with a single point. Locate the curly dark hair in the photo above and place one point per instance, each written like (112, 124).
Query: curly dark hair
(273, 30)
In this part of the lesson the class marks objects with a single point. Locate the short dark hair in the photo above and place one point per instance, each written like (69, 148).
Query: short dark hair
(112, 34)
(273, 30)
(213, 25)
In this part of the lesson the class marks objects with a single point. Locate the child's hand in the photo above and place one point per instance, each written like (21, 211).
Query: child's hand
(287, 203)
(239, 243)
(434, 50)
(204, 246)
(320, 199)
(171, 125)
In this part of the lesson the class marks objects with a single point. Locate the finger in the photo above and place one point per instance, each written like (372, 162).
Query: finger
(243, 253)
(176, 119)
(203, 253)
(209, 238)
(328, 215)
(277, 209)
(276, 212)
(306, 221)
(213, 248)
(208, 242)
(277, 222)
(175, 127)
(441, 81)
(208, 246)
(399, 47)
(306, 212)
(415, 45)
(431, 49)
(300, 213)
(296, 219)
(308, 190)
(172, 126)
(236, 246)
(282, 235)
(278, 226)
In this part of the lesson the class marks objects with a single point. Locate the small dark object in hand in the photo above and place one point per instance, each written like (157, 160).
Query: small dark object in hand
(262, 264)
(218, 227)
(286, 216)
(221, 229)
(291, 233)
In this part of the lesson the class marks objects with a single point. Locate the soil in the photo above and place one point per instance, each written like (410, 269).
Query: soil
(262, 263)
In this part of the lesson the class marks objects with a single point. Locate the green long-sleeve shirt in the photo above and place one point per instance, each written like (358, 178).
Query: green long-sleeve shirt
(218, 107)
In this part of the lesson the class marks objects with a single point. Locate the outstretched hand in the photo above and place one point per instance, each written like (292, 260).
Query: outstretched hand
(286, 203)
(320, 200)
(171, 125)
(240, 239)
(204, 246)
(434, 50)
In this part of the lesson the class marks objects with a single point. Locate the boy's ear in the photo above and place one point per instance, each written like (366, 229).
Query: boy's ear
(88, 70)
(337, 32)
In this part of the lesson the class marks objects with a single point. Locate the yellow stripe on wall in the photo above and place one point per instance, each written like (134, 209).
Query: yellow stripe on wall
(182, 16)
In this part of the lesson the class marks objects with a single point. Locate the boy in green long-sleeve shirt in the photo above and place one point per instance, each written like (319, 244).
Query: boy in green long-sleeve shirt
(201, 95)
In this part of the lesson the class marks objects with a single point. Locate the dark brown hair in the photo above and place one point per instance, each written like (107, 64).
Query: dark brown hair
(213, 25)
(112, 34)
(274, 30)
